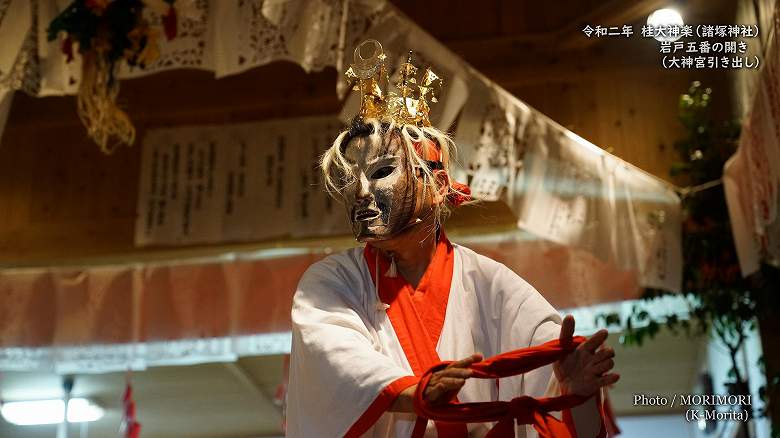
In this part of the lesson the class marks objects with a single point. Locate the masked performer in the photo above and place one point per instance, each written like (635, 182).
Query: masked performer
(369, 322)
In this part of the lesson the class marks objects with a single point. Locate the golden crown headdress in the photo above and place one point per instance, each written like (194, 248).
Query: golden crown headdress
(409, 103)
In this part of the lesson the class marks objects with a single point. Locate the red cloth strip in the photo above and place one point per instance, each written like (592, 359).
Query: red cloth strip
(523, 410)
(431, 151)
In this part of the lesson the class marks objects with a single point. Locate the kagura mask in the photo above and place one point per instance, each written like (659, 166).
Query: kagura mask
(384, 188)
(382, 198)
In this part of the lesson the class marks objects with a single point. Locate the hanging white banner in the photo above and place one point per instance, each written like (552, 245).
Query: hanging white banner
(751, 177)
(566, 190)
(236, 183)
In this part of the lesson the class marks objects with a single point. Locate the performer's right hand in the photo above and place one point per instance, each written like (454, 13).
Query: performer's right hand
(445, 384)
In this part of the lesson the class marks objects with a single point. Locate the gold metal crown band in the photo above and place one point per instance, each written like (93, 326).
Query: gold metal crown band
(410, 102)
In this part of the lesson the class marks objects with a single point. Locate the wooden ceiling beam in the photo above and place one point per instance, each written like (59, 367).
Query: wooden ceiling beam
(566, 38)
(612, 13)
(510, 67)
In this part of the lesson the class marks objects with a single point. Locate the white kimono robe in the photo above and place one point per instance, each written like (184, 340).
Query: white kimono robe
(347, 364)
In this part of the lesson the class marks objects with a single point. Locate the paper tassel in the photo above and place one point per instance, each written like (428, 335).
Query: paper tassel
(97, 108)
(392, 271)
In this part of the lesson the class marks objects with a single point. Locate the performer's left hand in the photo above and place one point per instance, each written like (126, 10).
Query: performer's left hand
(586, 369)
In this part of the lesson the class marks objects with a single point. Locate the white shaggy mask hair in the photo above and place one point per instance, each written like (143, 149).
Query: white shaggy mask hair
(337, 171)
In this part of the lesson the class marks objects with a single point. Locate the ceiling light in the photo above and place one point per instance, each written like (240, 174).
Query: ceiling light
(27, 413)
(665, 18)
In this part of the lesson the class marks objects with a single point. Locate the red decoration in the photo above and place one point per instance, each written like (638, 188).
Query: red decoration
(130, 426)
(97, 6)
(461, 194)
(170, 23)
(67, 48)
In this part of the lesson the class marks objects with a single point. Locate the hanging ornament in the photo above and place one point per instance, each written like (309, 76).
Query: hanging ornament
(280, 397)
(169, 21)
(392, 271)
(97, 106)
(108, 32)
(129, 427)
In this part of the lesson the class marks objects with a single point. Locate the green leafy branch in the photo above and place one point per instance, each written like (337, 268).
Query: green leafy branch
(719, 300)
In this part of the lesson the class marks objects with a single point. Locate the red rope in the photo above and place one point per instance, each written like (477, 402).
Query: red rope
(523, 410)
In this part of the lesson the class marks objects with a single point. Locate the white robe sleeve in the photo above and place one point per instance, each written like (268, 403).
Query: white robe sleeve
(530, 319)
(515, 315)
(336, 373)
(527, 319)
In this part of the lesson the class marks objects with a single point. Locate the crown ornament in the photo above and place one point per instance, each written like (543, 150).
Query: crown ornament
(409, 103)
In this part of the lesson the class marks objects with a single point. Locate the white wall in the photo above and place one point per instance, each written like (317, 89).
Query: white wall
(654, 426)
